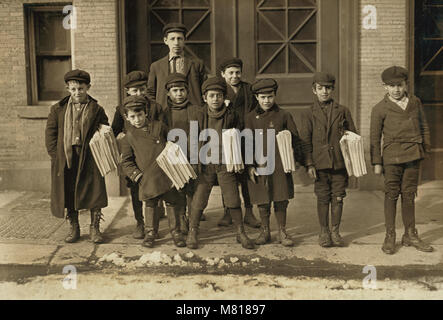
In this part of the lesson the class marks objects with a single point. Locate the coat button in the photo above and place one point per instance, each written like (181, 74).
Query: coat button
(332, 148)
(158, 141)
(257, 117)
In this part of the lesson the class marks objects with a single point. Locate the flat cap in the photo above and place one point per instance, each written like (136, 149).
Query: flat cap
(135, 101)
(324, 79)
(135, 79)
(394, 75)
(175, 27)
(214, 83)
(176, 79)
(233, 62)
(78, 75)
(264, 86)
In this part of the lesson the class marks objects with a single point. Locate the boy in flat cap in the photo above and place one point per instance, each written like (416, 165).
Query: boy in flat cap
(145, 139)
(176, 62)
(136, 85)
(76, 182)
(239, 97)
(277, 186)
(215, 116)
(325, 123)
(400, 119)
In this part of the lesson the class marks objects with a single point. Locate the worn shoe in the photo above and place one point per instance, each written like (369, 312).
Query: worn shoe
(324, 239)
(244, 240)
(284, 238)
(337, 240)
(389, 243)
(250, 220)
(264, 237)
(149, 239)
(192, 239)
(226, 220)
(94, 229)
(411, 239)
(74, 234)
(139, 232)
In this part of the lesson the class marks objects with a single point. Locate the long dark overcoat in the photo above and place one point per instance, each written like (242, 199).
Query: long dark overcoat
(278, 186)
(90, 189)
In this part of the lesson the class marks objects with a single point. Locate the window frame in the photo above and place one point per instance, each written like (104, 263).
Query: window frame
(31, 55)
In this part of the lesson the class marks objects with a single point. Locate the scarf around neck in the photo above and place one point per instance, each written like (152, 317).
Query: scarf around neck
(175, 106)
(217, 114)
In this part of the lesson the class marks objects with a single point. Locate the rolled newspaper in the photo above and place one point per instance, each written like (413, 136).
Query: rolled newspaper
(351, 146)
(104, 150)
(284, 142)
(232, 150)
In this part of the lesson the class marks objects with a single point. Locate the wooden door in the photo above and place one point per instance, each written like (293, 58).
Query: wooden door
(428, 78)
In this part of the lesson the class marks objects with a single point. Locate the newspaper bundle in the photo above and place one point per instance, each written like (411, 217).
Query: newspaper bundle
(284, 142)
(232, 150)
(175, 165)
(351, 145)
(104, 150)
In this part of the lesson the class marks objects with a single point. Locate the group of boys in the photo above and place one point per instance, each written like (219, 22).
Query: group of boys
(178, 92)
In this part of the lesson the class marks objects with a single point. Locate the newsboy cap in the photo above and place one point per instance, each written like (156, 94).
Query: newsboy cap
(135, 101)
(214, 83)
(78, 75)
(264, 86)
(394, 75)
(176, 79)
(174, 27)
(323, 79)
(233, 62)
(135, 79)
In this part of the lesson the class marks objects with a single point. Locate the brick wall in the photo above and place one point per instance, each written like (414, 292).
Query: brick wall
(380, 48)
(23, 159)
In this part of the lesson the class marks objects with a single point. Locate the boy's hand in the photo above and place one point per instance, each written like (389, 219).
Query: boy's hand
(120, 136)
(378, 169)
(252, 173)
(312, 172)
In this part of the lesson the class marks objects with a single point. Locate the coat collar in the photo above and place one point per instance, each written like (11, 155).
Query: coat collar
(258, 110)
(165, 64)
(394, 107)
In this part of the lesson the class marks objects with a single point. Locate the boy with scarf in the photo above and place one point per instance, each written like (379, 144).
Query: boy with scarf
(216, 116)
(400, 119)
(145, 139)
(276, 186)
(76, 182)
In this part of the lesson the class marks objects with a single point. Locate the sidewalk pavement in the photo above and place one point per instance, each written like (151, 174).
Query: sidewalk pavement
(31, 238)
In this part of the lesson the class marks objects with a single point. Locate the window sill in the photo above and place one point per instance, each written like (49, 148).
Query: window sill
(33, 112)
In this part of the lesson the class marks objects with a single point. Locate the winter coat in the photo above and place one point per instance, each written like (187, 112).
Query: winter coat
(90, 189)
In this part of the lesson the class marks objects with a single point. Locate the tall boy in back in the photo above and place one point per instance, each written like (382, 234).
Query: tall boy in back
(145, 139)
(400, 119)
(76, 182)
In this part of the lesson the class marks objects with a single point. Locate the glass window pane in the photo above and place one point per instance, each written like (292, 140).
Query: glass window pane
(273, 3)
(265, 31)
(51, 71)
(50, 34)
(265, 52)
(296, 18)
(203, 30)
(203, 51)
(275, 20)
(158, 51)
(164, 3)
(297, 65)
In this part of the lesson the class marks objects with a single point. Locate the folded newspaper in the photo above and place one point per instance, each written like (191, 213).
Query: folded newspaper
(351, 145)
(232, 150)
(104, 150)
(175, 165)
(284, 142)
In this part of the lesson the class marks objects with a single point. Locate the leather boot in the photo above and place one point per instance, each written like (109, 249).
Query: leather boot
(74, 234)
(242, 238)
(389, 243)
(282, 236)
(324, 239)
(192, 239)
(265, 234)
(250, 220)
(149, 239)
(139, 232)
(336, 213)
(158, 212)
(174, 226)
(226, 220)
(184, 224)
(411, 239)
(94, 229)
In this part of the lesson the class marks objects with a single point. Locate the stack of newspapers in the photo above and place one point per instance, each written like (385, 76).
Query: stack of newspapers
(175, 165)
(351, 146)
(284, 142)
(104, 150)
(232, 150)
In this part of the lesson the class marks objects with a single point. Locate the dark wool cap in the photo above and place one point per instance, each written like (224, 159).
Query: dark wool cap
(78, 75)
(323, 78)
(233, 62)
(174, 27)
(214, 83)
(394, 75)
(176, 79)
(135, 79)
(264, 86)
(135, 101)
